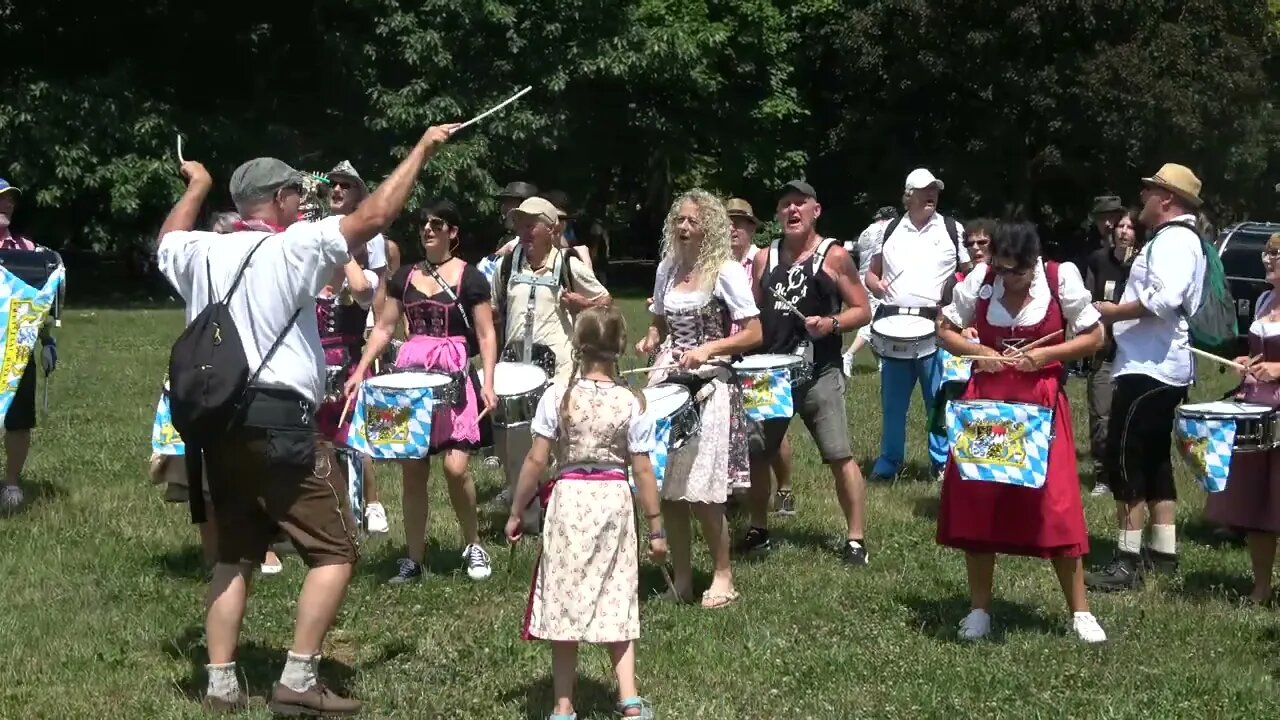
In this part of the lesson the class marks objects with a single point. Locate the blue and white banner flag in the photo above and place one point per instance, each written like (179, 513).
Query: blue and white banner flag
(1205, 444)
(24, 309)
(954, 369)
(1001, 442)
(767, 395)
(165, 439)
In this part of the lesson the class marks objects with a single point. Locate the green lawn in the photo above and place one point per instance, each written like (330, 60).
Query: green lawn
(101, 591)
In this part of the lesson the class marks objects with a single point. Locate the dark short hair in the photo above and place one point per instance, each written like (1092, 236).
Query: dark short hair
(1016, 241)
(443, 209)
(560, 199)
(980, 226)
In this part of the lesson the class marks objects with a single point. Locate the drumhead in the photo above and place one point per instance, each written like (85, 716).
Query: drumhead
(904, 327)
(513, 378)
(664, 399)
(1224, 407)
(406, 380)
(767, 361)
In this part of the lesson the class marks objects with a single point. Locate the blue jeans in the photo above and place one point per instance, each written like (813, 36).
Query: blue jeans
(897, 379)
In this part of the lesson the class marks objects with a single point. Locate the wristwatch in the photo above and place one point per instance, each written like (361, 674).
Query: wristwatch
(835, 324)
(659, 535)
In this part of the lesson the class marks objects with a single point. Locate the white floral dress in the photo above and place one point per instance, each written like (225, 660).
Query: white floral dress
(587, 583)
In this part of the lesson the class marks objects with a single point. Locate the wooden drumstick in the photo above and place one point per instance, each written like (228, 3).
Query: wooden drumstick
(346, 408)
(1001, 358)
(1034, 343)
(653, 368)
(1217, 359)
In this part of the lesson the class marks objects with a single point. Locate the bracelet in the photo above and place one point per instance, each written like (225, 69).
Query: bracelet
(659, 535)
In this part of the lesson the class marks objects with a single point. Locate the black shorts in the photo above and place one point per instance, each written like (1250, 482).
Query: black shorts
(1139, 438)
(22, 412)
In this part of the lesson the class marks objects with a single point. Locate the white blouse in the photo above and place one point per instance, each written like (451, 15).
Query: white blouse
(733, 286)
(1263, 329)
(1073, 296)
(546, 419)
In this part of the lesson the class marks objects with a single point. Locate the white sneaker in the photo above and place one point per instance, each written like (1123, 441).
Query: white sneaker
(276, 569)
(976, 625)
(10, 497)
(1099, 490)
(1087, 628)
(846, 362)
(375, 519)
(477, 561)
(492, 462)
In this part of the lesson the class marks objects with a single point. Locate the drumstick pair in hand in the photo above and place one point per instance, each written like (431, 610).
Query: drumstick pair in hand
(1028, 358)
(1260, 371)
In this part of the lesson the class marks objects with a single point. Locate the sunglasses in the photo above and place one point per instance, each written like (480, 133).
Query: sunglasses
(436, 224)
(976, 243)
(342, 184)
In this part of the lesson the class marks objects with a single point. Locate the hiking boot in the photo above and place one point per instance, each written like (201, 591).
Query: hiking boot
(317, 701)
(215, 705)
(1124, 572)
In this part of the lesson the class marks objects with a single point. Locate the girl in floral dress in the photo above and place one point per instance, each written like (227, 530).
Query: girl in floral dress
(701, 296)
(586, 585)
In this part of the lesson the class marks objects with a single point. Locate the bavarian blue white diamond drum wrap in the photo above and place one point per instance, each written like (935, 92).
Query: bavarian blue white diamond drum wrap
(766, 385)
(1001, 442)
(1207, 434)
(391, 417)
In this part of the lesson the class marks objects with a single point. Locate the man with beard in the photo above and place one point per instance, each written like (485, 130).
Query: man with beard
(268, 471)
(815, 276)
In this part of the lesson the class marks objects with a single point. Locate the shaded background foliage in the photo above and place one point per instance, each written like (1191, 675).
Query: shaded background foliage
(1022, 107)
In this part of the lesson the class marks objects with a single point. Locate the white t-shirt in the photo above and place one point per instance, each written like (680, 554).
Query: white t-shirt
(733, 286)
(1073, 296)
(1168, 283)
(868, 244)
(919, 261)
(377, 249)
(285, 274)
(546, 419)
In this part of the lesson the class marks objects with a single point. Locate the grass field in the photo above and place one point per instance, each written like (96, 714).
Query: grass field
(101, 590)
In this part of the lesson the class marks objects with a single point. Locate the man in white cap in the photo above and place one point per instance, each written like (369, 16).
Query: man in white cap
(1153, 368)
(538, 289)
(382, 256)
(268, 471)
(913, 273)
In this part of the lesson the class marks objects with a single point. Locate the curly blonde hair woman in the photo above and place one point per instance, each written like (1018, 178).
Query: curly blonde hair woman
(701, 291)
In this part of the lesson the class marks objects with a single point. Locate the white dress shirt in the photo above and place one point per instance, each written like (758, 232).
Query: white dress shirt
(285, 274)
(1169, 284)
(919, 261)
(1074, 298)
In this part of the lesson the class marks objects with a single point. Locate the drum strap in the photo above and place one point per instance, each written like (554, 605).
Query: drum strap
(453, 297)
(551, 280)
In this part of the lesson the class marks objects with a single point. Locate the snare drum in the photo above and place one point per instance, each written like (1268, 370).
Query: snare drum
(799, 370)
(392, 418)
(904, 336)
(1255, 424)
(519, 387)
(674, 405)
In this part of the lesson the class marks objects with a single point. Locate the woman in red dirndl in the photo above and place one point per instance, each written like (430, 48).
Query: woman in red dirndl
(1011, 301)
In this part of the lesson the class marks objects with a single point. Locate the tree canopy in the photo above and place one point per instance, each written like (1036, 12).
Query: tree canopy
(1022, 107)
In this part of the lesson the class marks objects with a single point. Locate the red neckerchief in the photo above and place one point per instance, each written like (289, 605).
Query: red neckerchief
(258, 225)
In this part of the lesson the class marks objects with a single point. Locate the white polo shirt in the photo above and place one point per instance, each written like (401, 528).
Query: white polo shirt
(285, 274)
(1169, 284)
(919, 261)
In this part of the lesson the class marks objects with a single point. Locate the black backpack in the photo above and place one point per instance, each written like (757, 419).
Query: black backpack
(208, 370)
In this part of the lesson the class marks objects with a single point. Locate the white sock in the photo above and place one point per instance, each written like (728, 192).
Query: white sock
(1163, 539)
(224, 681)
(299, 672)
(1130, 541)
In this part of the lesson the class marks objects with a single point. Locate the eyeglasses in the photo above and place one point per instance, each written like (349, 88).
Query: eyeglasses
(1270, 255)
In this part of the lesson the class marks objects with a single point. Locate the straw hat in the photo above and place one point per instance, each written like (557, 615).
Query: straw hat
(1179, 180)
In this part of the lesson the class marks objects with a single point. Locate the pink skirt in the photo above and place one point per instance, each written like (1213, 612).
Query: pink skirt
(451, 427)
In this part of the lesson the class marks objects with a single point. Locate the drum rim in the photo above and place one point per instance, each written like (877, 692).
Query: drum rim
(1192, 409)
(682, 392)
(377, 380)
(790, 360)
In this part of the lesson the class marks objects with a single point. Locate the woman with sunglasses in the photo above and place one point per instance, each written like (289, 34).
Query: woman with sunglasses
(1013, 299)
(1251, 501)
(446, 304)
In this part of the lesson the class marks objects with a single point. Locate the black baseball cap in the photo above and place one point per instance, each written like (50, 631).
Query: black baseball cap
(801, 187)
(519, 190)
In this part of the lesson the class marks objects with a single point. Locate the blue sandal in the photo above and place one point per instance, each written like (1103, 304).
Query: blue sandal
(631, 703)
(553, 716)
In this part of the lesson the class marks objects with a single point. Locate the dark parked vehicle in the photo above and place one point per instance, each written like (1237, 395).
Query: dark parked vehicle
(1240, 247)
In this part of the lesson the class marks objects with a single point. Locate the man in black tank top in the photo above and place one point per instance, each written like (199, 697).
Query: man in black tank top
(818, 278)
